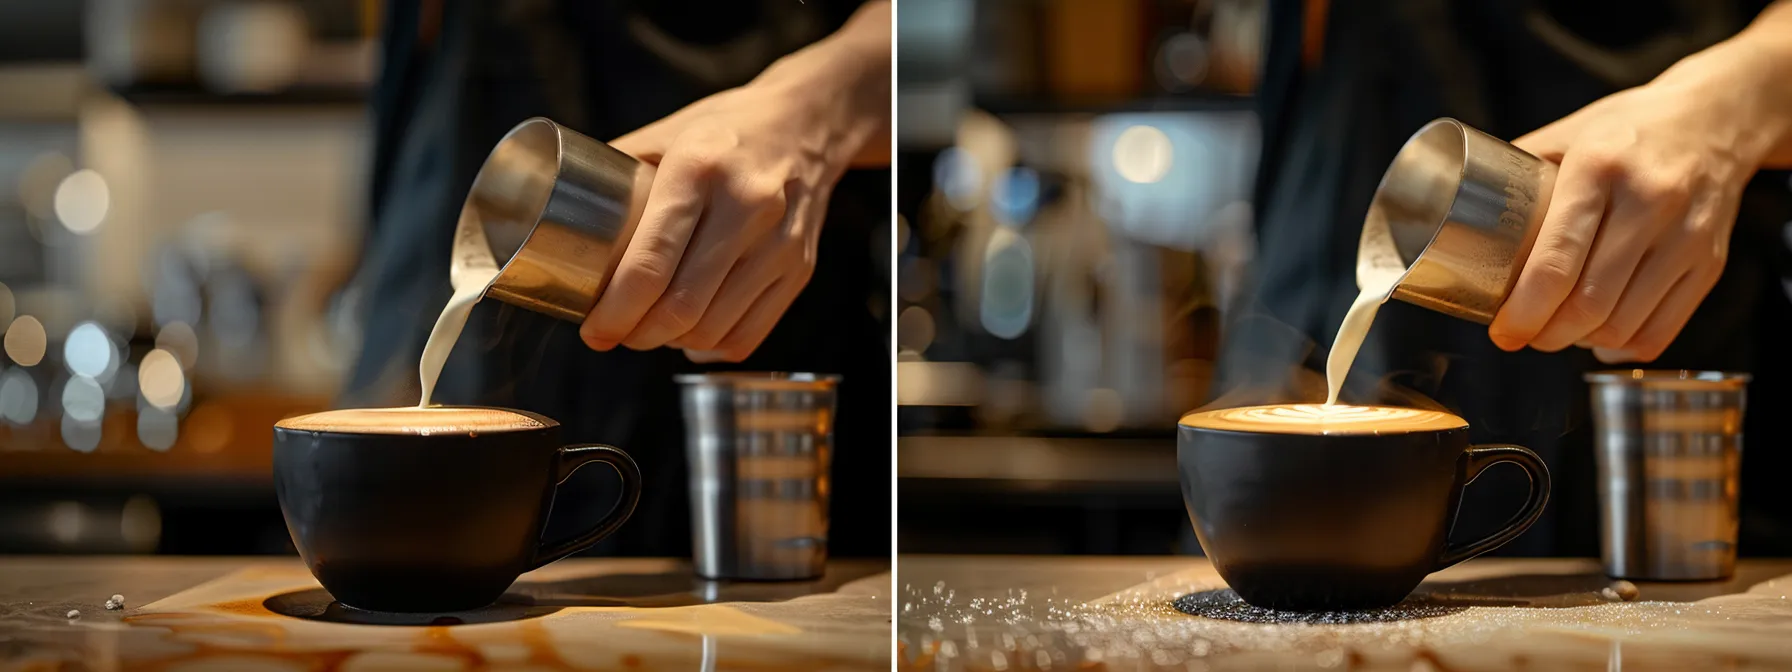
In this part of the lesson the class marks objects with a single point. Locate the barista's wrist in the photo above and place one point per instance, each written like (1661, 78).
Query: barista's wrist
(1749, 79)
(842, 84)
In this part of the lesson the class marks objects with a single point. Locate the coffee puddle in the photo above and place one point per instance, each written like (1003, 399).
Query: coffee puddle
(264, 618)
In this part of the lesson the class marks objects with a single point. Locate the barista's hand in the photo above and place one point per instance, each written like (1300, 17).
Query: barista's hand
(728, 235)
(1638, 227)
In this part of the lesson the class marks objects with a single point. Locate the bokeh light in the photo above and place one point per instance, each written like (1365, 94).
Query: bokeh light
(160, 379)
(18, 397)
(82, 200)
(1005, 307)
(914, 329)
(179, 339)
(83, 399)
(1182, 62)
(1142, 154)
(25, 341)
(82, 436)
(1016, 196)
(956, 175)
(67, 520)
(157, 428)
(88, 351)
(7, 305)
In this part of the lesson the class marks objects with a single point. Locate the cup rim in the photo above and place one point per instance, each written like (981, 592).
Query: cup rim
(547, 423)
(1324, 435)
(1687, 378)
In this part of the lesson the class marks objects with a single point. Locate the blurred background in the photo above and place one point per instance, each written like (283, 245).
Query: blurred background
(1074, 190)
(181, 206)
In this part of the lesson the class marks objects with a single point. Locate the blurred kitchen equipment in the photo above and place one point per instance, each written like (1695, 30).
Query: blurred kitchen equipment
(759, 446)
(557, 209)
(1458, 210)
(1669, 459)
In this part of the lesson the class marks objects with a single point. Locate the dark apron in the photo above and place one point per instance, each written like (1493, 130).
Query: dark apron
(454, 83)
(1506, 67)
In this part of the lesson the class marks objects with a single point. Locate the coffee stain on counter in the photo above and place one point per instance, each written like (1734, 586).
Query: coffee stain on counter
(227, 624)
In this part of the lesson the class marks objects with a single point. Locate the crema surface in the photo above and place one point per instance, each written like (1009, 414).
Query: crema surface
(1324, 419)
(416, 421)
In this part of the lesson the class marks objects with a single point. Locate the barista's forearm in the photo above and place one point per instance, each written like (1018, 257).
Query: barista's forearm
(1752, 72)
(848, 75)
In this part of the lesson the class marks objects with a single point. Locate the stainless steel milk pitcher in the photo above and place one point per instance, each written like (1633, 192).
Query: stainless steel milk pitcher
(1458, 210)
(558, 209)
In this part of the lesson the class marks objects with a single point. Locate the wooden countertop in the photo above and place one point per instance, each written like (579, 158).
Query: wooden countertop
(582, 613)
(1011, 613)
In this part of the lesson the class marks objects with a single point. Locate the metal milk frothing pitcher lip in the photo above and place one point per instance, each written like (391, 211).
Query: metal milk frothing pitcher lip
(557, 209)
(1458, 210)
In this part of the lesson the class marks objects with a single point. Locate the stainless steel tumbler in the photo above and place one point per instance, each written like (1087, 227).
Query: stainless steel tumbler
(1458, 210)
(759, 446)
(557, 209)
(1669, 454)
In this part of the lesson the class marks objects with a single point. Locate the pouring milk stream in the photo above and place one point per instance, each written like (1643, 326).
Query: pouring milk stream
(470, 272)
(1378, 271)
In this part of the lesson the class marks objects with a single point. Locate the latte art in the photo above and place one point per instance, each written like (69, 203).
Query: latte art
(417, 421)
(1324, 419)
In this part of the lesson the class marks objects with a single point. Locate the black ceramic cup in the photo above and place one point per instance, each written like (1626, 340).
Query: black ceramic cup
(1324, 522)
(432, 523)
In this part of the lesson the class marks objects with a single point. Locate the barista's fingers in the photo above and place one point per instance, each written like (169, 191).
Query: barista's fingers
(756, 324)
(752, 274)
(1659, 331)
(740, 212)
(1642, 205)
(1554, 266)
(674, 204)
(1661, 267)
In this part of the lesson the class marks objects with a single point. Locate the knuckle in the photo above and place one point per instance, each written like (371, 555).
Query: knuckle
(677, 311)
(1605, 162)
(1555, 268)
(1660, 189)
(1591, 302)
(646, 281)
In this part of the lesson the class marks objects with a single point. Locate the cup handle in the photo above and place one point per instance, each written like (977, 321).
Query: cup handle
(569, 459)
(1477, 459)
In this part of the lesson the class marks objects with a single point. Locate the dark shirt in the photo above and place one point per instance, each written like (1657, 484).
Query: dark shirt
(1507, 67)
(458, 76)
